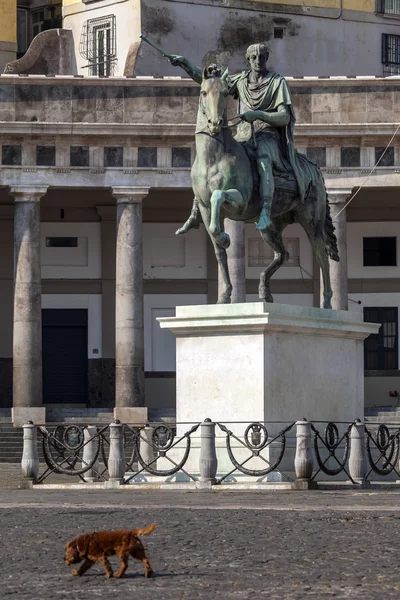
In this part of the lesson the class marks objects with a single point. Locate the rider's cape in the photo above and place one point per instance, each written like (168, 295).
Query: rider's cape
(267, 96)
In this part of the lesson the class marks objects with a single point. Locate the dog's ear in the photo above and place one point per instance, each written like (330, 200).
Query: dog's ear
(82, 543)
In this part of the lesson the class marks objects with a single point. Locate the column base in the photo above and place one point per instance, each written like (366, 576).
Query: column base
(22, 414)
(304, 484)
(131, 415)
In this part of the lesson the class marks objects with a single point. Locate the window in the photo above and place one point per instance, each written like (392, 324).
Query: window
(380, 349)
(79, 156)
(61, 242)
(278, 33)
(98, 45)
(11, 155)
(113, 156)
(350, 157)
(379, 251)
(388, 7)
(41, 20)
(22, 31)
(46, 156)
(388, 157)
(260, 254)
(318, 155)
(391, 54)
(147, 157)
(181, 157)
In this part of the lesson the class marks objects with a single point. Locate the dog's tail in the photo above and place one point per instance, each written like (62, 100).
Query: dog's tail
(146, 530)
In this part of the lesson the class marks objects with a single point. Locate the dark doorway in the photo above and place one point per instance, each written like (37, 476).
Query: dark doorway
(65, 358)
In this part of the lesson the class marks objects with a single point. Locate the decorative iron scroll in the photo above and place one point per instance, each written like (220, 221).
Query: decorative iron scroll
(163, 441)
(387, 444)
(255, 440)
(331, 442)
(63, 449)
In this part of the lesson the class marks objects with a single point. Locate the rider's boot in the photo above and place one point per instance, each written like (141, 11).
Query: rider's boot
(264, 220)
(193, 221)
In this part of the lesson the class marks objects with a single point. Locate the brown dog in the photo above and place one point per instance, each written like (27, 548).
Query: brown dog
(95, 547)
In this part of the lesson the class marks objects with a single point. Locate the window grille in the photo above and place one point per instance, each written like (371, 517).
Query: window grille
(381, 349)
(98, 45)
(391, 54)
(388, 7)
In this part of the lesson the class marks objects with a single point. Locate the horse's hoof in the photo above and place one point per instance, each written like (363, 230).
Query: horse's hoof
(265, 295)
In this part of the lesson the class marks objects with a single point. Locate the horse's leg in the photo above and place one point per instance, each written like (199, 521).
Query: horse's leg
(234, 202)
(314, 231)
(220, 254)
(273, 236)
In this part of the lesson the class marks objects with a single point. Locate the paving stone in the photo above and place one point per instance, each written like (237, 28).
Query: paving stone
(208, 545)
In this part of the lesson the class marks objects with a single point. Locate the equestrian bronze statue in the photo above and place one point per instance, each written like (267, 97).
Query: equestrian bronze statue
(257, 175)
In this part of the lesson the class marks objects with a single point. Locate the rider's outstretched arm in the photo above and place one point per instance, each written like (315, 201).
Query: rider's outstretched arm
(194, 72)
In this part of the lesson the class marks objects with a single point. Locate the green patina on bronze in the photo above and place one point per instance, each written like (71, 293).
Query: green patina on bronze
(257, 175)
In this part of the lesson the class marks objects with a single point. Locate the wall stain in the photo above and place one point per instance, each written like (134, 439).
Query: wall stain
(237, 33)
(157, 21)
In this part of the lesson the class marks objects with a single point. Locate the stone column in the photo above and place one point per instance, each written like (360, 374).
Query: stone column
(129, 331)
(236, 261)
(27, 336)
(338, 270)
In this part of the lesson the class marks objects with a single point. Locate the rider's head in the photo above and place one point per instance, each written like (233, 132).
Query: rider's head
(257, 55)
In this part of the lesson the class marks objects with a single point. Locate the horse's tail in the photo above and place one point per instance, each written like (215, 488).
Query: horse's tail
(331, 240)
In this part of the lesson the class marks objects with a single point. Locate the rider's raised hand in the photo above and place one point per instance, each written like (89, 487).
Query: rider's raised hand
(176, 61)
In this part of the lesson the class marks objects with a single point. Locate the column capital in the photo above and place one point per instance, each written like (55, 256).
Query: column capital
(338, 195)
(27, 193)
(129, 194)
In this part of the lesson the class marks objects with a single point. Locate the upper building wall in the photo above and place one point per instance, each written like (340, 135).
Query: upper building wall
(123, 30)
(317, 40)
(8, 32)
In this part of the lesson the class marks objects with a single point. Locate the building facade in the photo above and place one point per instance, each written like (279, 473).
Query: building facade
(77, 150)
(106, 148)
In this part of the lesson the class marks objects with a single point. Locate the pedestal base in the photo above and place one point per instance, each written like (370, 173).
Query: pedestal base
(268, 362)
(22, 414)
(137, 415)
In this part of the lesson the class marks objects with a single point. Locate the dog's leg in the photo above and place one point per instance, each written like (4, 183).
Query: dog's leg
(123, 558)
(84, 567)
(139, 554)
(106, 566)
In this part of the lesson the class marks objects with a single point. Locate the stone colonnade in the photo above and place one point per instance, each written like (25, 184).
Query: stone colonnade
(27, 337)
(27, 334)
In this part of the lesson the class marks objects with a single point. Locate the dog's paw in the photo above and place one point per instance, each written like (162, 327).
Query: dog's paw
(76, 573)
(109, 575)
(148, 573)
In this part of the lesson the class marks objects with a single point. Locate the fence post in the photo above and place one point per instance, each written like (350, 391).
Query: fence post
(147, 451)
(358, 454)
(303, 461)
(30, 457)
(116, 458)
(89, 452)
(208, 457)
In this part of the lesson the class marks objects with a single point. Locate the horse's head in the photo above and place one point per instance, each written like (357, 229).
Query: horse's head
(213, 98)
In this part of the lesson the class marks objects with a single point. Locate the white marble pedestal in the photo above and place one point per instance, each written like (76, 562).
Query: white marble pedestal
(267, 362)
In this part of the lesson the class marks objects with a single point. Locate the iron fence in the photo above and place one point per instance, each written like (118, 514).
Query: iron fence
(299, 454)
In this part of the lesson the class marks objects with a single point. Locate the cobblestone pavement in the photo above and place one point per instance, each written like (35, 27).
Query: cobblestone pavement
(226, 545)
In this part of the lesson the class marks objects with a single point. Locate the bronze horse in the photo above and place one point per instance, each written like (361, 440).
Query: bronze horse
(225, 186)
